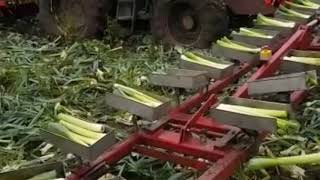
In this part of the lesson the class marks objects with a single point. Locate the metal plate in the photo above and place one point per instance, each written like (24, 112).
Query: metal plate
(180, 78)
(282, 83)
(29, 172)
(144, 111)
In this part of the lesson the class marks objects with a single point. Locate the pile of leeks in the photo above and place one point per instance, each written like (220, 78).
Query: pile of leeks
(77, 130)
(252, 33)
(200, 59)
(137, 96)
(231, 44)
(292, 13)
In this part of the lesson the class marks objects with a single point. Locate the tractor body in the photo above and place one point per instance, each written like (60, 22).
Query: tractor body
(184, 22)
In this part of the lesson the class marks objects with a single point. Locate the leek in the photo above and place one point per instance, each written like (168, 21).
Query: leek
(191, 57)
(261, 163)
(63, 131)
(137, 96)
(45, 176)
(86, 140)
(225, 42)
(252, 32)
(263, 20)
(81, 131)
(81, 123)
(293, 13)
(292, 4)
(274, 113)
(303, 60)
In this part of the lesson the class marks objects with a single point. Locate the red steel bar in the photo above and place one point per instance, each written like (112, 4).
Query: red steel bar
(210, 101)
(187, 162)
(190, 146)
(225, 166)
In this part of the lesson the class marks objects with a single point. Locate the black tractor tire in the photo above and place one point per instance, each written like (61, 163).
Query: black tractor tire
(208, 20)
(73, 18)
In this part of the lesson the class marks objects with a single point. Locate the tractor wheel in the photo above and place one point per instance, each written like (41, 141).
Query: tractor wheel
(189, 22)
(73, 18)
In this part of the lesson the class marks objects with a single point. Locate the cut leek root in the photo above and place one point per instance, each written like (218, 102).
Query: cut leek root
(227, 43)
(293, 13)
(280, 115)
(261, 163)
(263, 20)
(303, 60)
(210, 62)
(137, 96)
(252, 33)
(45, 176)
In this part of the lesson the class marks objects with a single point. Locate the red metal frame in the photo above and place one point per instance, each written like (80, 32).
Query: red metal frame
(3, 4)
(165, 144)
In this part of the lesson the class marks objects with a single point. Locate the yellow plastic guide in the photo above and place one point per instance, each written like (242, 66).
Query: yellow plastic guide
(265, 53)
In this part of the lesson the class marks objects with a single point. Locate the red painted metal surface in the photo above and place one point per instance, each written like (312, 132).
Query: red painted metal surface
(3, 4)
(177, 135)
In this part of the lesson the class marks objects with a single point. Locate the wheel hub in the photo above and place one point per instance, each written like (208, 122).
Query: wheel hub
(183, 23)
(188, 22)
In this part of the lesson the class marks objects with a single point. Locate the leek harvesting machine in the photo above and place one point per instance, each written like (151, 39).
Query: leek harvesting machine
(195, 133)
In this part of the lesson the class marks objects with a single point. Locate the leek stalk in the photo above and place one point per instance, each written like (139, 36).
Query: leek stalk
(61, 130)
(293, 13)
(308, 3)
(299, 5)
(137, 96)
(261, 163)
(269, 112)
(81, 131)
